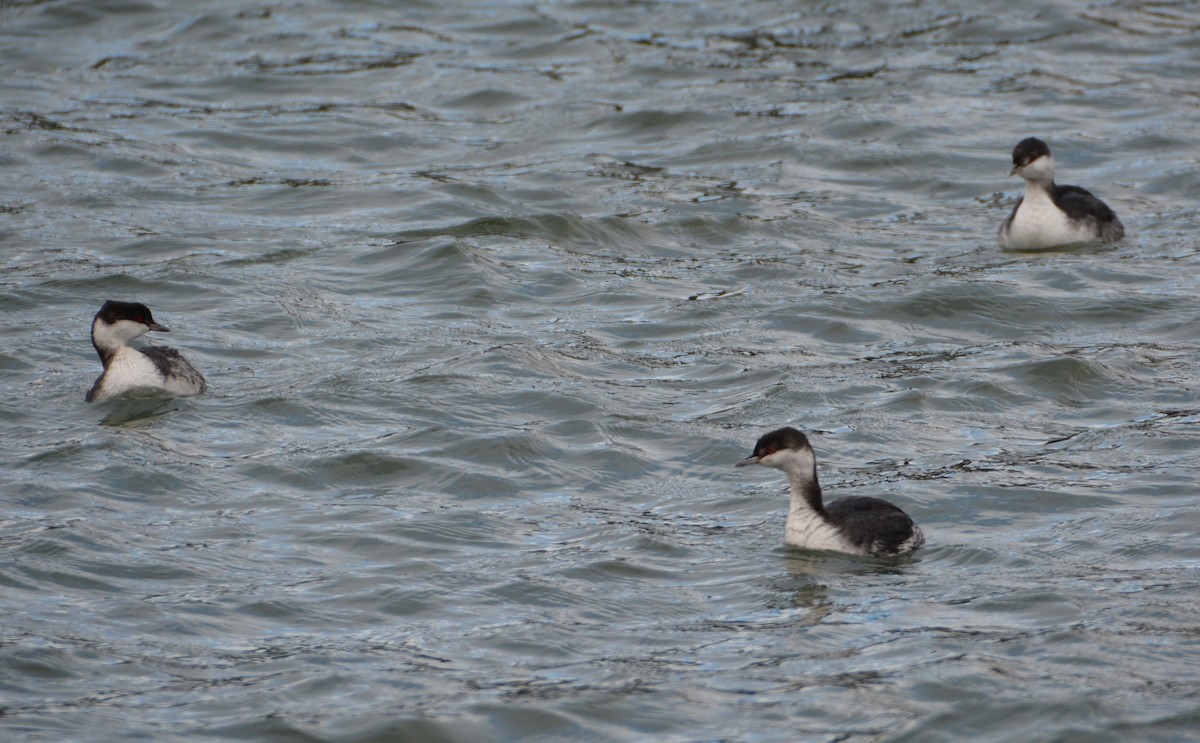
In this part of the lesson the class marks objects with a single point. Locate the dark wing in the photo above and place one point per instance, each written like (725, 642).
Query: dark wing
(1077, 200)
(95, 390)
(171, 363)
(165, 359)
(874, 525)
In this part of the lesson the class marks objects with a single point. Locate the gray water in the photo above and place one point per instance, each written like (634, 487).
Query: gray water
(491, 295)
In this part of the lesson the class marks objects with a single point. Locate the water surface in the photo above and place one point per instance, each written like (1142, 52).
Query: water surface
(490, 296)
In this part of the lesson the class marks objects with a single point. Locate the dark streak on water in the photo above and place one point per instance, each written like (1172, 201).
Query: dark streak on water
(490, 296)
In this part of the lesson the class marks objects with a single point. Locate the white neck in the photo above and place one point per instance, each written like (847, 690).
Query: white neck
(807, 526)
(806, 491)
(801, 469)
(1039, 171)
(107, 337)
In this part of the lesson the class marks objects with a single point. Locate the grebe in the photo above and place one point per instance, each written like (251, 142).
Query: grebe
(1049, 214)
(858, 525)
(127, 369)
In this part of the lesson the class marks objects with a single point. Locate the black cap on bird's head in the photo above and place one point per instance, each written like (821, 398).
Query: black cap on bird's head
(775, 441)
(1026, 151)
(113, 312)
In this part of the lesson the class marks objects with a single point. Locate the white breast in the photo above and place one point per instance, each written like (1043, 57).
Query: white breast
(129, 370)
(1038, 223)
(808, 530)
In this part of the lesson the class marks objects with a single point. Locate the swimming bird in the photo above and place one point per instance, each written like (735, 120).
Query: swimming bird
(1049, 214)
(154, 369)
(857, 525)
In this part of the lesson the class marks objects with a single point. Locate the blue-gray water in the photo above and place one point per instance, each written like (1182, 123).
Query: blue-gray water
(491, 295)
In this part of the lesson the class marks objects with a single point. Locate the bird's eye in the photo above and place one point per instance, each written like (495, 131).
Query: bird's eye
(771, 450)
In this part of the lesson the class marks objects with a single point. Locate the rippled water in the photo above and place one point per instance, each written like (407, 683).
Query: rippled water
(490, 297)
